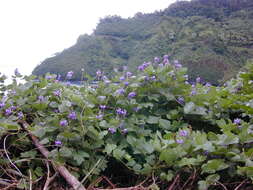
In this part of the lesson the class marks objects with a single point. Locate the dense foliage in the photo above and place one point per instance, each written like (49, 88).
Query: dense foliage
(155, 123)
(212, 38)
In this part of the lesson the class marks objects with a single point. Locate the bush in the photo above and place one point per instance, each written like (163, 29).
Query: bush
(155, 123)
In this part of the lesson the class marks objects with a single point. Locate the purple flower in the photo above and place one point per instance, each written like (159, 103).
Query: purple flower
(99, 73)
(124, 131)
(120, 91)
(178, 66)
(180, 100)
(141, 68)
(16, 72)
(72, 116)
(198, 80)
(112, 130)
(153, 78)
(179, 141)
(20, 115)
(8, 111)
(100, 116)
(122, 78)
(58, 77)
(136, 109)
(102, 107)
(166, 57)
(126, 83)
(193, 92)
(13, 108)
(57, 143)
(129, 74)
(41, 98)
(2, 104)
(156, 60)
(69, 74)
(183, 133)
(49, 77)
(120, 111)
(101, 98)
(131, 94)
(208, 84)
(63, 123)
(57, 93)
(237, 121)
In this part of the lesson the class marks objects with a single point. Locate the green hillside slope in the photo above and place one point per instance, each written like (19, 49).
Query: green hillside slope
(213, 38)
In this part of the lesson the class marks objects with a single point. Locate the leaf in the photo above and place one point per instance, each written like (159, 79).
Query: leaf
(189, 107)
(214, 165)
(66, 152)
(29, 154)
(109, 148)
(164, 123)
(44, 141)
(153, 120)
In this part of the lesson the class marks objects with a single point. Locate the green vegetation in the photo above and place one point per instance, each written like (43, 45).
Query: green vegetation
(155, 124)
(212, 38)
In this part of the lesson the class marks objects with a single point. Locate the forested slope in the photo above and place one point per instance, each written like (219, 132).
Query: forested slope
(213, 38)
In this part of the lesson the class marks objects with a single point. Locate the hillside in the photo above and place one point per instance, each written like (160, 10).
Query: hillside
(213, 38)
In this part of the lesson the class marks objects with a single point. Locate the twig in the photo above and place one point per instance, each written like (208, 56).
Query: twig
(6, 153)
(237, 187)
(222, 185)
(174, 182)
(30, 179)
(49, 179)
(108, 181)
(71, 180)
(88, 174)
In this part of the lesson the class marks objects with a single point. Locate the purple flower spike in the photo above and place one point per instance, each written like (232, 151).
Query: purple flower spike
(57, 143)
(179, 141)
(198, 80)
(57, 93)
(112, 130)
(69, 74)
(72, 116)
(13, 108)
(183, 133)
(131, 94)
(237, 121)
(63, 123)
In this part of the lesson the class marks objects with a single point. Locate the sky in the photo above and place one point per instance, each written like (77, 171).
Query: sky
(33, 30)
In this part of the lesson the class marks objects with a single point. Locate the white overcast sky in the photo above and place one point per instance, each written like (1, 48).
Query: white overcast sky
(32, 30)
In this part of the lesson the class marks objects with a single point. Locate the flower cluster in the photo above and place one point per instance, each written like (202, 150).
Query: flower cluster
(143, 66)
(121, 112)
(72, 115)
(69, 74)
